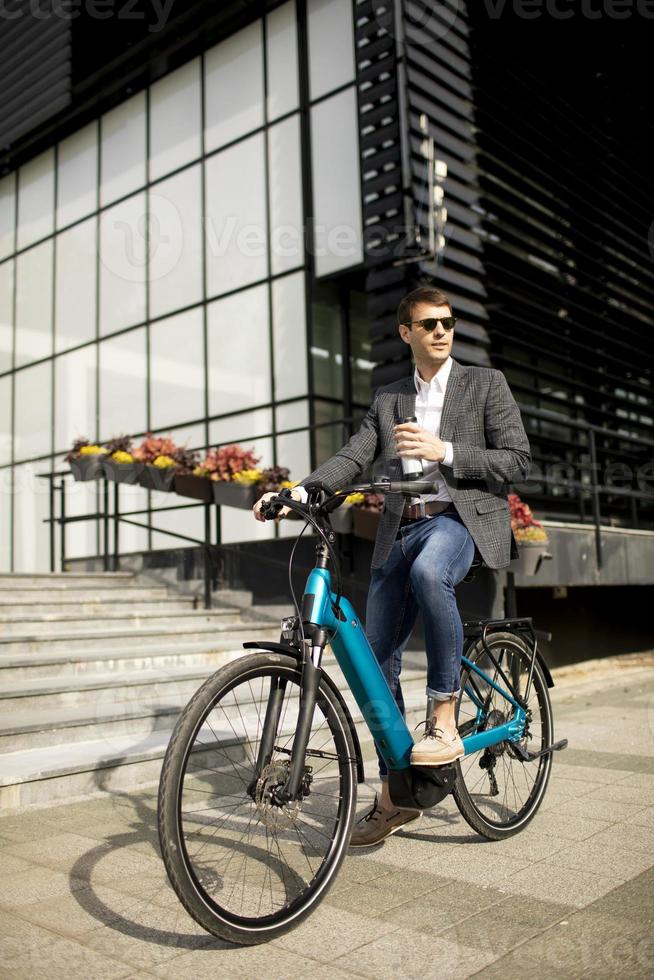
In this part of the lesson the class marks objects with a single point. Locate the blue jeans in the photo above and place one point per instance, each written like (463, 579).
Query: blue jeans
(429, 557)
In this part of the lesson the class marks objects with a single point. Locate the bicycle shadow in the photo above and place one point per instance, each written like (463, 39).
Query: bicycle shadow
(136, 913)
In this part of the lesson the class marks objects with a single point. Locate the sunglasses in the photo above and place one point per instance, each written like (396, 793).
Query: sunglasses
(430, 322)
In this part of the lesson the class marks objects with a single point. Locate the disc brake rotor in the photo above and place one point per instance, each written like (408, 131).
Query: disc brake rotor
(272, 815)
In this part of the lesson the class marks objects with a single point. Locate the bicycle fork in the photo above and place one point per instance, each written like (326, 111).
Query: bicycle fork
(311, 672)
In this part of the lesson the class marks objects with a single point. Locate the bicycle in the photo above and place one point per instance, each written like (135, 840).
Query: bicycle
(258, 788)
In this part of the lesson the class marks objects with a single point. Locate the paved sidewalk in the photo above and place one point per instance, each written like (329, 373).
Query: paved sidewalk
(84, 893)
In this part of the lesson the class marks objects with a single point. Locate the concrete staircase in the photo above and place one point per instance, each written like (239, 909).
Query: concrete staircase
(95, 668)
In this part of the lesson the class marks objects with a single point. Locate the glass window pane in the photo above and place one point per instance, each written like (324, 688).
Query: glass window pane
(34, 303)
(360, 346)
(31, 508)
(5, 519)
(289, 336)
(241, 525)
(239, 351)
(7, 214)
(293, 449)
(75, 396)
(336, 183)
(175, 242)
(285, 190)
(33, 411)
(241, 428)
(6, 315)
(236, 216)
(331, 45)
(122, 264)
(186, 520)
(5, 420)
(122, 369)
(281, 40)
(36, 199)
(175, 120)
(326, 346)
(81, 537)
(233, 87)
(77, 176)
(76, 290)
(123, 149)
(177, 369)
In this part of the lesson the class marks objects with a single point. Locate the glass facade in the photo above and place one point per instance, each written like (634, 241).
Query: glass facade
(153, 277)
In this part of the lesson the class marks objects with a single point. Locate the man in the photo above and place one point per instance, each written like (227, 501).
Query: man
(472, 444)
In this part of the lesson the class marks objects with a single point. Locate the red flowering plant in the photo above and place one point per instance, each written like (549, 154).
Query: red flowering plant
(156, 451)
(524, 525)
(231, 463)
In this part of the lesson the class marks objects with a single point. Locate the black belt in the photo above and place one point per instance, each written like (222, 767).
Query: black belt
(424, 508)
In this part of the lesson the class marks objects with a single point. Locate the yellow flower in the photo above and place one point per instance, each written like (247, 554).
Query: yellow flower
(121, 457)
(531, 534)
(91, 450)
(247, 476)
(354, 498)
(288, 483)
(163, 462)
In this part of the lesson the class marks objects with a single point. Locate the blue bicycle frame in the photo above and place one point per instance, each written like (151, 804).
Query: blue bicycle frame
(360, 668)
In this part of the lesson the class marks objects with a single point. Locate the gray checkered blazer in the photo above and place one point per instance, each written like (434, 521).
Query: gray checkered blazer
(490, 451)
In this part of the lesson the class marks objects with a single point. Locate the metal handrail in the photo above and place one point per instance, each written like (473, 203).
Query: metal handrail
(111, 560)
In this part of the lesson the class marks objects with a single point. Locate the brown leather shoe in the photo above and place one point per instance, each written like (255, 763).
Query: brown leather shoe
(378, 824)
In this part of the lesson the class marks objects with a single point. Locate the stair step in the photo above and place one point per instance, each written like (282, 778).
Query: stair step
(50, 579)
(51, 625)
(99, 593)
(15, 668)
(150, 684)
(101, 639)
(122, 761)
(36, 611)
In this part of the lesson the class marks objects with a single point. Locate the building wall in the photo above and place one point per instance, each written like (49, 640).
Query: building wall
(154, 272)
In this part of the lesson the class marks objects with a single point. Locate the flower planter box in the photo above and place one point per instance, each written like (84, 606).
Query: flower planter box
(122, 472)
(365, 523)
(341, 519)
(189, 485)
(530, 557)
(231, 494)
(87, 467)
(157, 477)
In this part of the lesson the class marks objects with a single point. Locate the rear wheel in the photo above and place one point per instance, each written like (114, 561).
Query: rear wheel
(246, 868)
(497, 792)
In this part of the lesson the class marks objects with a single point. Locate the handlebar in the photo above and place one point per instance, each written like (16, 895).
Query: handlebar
(408, 488)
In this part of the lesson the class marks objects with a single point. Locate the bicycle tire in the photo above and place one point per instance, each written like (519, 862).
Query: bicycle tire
(190, 886)
(490, 819)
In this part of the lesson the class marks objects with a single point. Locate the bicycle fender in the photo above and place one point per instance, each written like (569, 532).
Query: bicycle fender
(549, 680)
(273, 647)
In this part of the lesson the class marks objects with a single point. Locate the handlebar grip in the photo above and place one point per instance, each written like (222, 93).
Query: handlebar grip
(271, 508)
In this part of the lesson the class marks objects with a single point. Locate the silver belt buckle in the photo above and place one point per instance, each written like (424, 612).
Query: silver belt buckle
(421, 506)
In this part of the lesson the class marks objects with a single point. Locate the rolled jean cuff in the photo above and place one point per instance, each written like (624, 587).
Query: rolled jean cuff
(440, 695)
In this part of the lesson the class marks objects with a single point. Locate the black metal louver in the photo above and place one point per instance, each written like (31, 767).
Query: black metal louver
(35, 71)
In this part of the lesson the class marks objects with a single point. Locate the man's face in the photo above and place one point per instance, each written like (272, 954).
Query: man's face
(428, 346)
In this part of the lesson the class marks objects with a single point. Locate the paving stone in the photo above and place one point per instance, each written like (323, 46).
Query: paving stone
(414, 957)
(554, 883)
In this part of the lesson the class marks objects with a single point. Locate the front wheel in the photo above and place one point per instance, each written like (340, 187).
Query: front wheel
(246, 868)
(496, 791)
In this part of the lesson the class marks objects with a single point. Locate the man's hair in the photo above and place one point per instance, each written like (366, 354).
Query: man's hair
(423, 294)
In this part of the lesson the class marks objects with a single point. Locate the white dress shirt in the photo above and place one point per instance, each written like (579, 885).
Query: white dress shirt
(429, 408)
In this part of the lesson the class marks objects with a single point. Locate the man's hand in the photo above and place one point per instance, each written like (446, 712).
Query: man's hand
(256, 510)
(411, 440)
